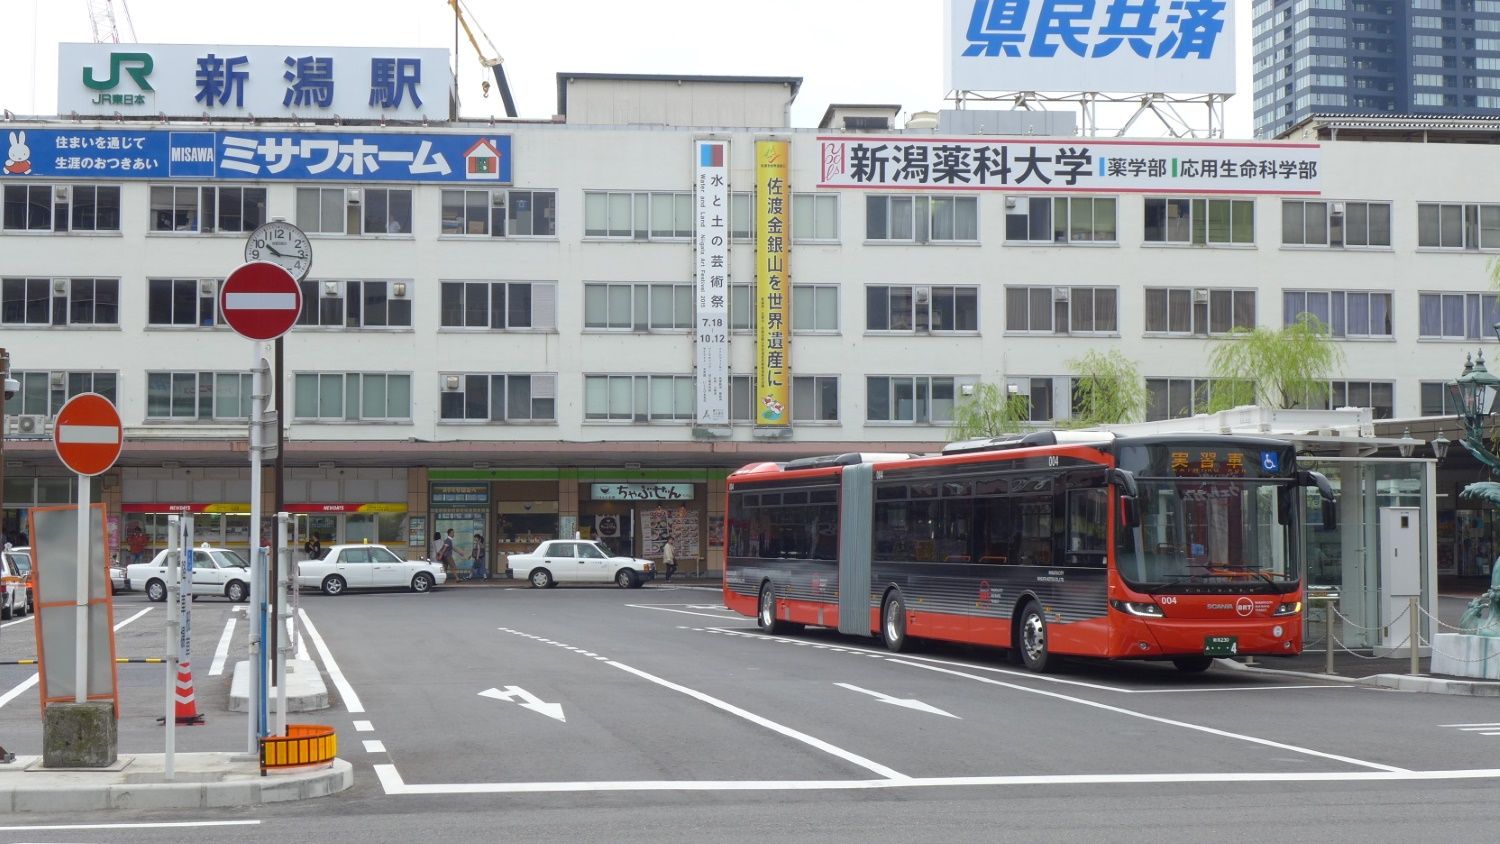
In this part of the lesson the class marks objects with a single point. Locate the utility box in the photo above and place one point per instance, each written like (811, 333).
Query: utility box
(1400, 578)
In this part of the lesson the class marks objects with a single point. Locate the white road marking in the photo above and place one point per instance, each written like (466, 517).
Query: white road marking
(21, 688)
(1231, 689)
(684, 612)
(374, 746)
(391, 781)
(346, 691)
(17, 621)
(909, 703)
(818, 743)
(527, 700)
(1168, 721)
(221, 653)
(162, 825)
(1496, 724)
(364, 727)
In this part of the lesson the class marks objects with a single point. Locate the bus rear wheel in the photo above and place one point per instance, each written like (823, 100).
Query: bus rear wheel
(893, 623)
(1193, 664)
(765, 618)
(1033, 640)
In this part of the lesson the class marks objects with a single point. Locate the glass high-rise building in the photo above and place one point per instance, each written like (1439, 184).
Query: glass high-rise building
(1377, 57)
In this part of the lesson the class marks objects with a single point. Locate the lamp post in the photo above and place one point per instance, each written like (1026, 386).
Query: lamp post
(1473, 394)
(1407, 444)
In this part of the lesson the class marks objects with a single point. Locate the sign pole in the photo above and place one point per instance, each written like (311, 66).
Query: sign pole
(278, 592)
(81, 647)
(174, 622)
(257, 587)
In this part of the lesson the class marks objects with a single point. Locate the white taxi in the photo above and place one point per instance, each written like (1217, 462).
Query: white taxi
(580, 561)
(216, 571)
(345, 567)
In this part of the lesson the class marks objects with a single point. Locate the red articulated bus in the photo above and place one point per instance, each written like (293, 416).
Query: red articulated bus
(1088, 544)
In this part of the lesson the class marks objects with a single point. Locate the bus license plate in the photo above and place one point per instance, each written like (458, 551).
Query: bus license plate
(1220, 646)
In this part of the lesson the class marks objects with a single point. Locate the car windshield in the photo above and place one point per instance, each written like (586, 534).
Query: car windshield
(1219, 535)
(230, 560)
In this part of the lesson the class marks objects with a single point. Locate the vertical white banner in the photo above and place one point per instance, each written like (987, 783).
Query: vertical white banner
(711, 239)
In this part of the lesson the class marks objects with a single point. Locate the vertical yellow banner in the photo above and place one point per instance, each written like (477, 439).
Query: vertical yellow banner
(773, 284)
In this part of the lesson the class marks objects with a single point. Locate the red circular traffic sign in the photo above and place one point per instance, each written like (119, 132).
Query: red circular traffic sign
(260, 300)
(87, 434)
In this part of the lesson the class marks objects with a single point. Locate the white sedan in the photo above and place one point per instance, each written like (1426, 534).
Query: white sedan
(216, 571)
(346, 567)
(580, 561)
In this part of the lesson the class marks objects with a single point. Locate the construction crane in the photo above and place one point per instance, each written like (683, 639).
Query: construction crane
(102, 18)
(491, 60)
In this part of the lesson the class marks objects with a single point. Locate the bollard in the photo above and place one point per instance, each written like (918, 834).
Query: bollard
(1416, 630)
(1328, 631)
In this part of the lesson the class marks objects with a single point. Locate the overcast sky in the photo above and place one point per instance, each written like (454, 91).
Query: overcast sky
(850, 51)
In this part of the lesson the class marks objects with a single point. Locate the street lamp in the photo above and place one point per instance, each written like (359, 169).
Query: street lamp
(1406, 445)
(1440, 445)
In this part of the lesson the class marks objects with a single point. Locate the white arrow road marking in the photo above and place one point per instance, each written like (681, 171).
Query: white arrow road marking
(909, 703)
(529, 701)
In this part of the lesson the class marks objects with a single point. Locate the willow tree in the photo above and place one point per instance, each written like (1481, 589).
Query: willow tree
(1271, 367)
(1107, 390)
(990, 411)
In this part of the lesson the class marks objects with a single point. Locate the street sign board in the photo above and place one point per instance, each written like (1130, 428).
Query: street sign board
(260, 300)
(87, 434)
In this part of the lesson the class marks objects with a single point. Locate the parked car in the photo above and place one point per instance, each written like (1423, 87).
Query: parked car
(20, 557)
(119, 579)
(580, 561)
(13, 600)
(345, 567)
(216, 571)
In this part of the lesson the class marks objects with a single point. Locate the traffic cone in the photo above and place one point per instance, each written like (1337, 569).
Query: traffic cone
(187, 702)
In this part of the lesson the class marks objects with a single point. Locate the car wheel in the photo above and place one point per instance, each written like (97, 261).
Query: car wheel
(893, 623)
(421, 582)
(333, 585)
(30, 607)
(237, 592)
(540, 579)
(156, 590)
(7, 611)
(625, 579)
(1033, 640)
(1193, 664)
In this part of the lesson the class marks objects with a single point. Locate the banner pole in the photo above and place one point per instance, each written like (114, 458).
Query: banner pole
(81, 647)
(257, 589)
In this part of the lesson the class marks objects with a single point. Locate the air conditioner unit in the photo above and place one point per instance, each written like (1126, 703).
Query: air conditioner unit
(1061, 294)
(1010, 202)
(62, 193)
(923, 294)
(354, 195)
(60, 286)
(1200, 294)
(450, 383)
(206, 287)
(1338, 207)
(28, 425)
(56, 379)
(332, 288)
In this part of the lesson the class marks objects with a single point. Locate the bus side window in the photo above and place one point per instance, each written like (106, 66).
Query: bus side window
(1087, 526)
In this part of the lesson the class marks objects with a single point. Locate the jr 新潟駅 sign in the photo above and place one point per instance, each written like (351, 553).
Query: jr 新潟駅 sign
(241, 81)
(228, 154)
(1105, 46)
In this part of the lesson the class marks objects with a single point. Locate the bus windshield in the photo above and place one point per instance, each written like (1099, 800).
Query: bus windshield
(1209, 535)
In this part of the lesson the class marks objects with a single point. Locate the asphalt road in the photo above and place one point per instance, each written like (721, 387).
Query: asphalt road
(599, 714)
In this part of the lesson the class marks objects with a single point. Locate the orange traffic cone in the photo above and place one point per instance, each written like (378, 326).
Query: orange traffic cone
(187, 702)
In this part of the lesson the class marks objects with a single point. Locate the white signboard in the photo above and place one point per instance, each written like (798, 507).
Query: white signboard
(355, 83)
(1072, 164)
(1104, 46)
(641, 492)
(711, 240)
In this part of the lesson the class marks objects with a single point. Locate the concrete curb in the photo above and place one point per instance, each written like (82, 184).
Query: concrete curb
(1400, 682)
(305, 689)
(204, 781)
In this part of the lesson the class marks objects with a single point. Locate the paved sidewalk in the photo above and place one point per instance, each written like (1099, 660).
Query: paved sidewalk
(201, 781)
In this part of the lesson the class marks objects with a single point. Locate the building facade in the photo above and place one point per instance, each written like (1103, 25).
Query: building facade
(517, 358)
(1437, 58)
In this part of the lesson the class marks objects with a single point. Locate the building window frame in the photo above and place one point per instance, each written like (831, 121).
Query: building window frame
(1206, 311)
(497, 398)
(346, 397)
(362, 211)
(910, 309)
(1345, 314)
(205, 209)
(182, 303)
(1084, 310)
(1458, 226)
(356, 304)
(922, 218)
(197, 396)
(510, 213)
(34, 303)
(913, 399)
(524, 306)
(44, 392)
(1058, 220)
(1199, 221)
(815, 218)
(637, 306)
(60, 208)
(1456, 315)
(636, 398)
(637, 215)
(1335, 224)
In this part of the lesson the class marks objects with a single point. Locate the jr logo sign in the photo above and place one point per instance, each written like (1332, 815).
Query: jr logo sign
(137, 65)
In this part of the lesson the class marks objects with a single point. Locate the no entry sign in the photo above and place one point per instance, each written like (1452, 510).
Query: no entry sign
(260, 300)
(87, 434)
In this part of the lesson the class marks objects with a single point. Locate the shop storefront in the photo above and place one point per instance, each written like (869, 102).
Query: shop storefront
(23, 492)
(637, 519)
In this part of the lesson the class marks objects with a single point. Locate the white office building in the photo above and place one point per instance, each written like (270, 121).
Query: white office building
(510, 346)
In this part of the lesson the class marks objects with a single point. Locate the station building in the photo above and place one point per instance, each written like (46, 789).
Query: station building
(517, 353)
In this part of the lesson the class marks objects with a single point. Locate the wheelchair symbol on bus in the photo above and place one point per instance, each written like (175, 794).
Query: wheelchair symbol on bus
(1270, 461)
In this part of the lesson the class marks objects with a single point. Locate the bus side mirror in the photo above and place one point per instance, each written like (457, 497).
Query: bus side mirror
(1130, 511)
(1330, 514)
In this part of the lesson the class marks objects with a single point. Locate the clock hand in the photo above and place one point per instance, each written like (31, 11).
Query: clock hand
(276, 252)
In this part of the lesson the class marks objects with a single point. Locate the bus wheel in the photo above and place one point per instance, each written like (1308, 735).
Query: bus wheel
(1193, 664)
(1033, 640)
(893, 623)
(766, 618)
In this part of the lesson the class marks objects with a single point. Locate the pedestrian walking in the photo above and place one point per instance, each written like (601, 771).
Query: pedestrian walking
(313, 548)
(669, 559)
(435, 553)
(136, 543)
(476, 555)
